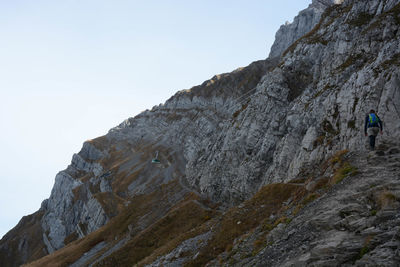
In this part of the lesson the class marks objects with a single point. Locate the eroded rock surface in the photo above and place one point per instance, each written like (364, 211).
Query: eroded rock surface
(226, 146)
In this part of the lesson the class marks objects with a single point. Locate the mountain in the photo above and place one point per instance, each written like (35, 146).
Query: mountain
(263, 166)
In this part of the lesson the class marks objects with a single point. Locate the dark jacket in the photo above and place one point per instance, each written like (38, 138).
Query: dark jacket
(368, 125)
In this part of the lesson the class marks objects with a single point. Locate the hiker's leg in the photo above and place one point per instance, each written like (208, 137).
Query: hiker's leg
(372, 133)
(372, 142)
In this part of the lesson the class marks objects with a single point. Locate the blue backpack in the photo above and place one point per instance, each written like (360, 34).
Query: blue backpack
(373, 120)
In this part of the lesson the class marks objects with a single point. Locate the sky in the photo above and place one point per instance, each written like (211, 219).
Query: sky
(71, 70)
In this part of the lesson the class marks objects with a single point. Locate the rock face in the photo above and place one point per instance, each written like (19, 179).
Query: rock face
(302, 24)
(264, 166)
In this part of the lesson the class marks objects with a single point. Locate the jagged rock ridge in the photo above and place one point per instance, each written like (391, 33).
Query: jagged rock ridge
(286, 145)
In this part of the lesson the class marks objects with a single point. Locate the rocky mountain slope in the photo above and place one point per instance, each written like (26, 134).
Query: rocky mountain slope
(264, 166)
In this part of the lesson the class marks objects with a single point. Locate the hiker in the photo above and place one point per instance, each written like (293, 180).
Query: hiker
(373, 125)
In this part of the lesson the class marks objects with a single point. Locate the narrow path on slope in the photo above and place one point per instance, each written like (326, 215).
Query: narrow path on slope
(357, 222)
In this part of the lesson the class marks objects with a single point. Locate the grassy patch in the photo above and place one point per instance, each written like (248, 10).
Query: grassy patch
(365, 249)
(346, 170)
(111, 203)
(394, 61)
(351, 124)
(28, 229)
(236, 114)
(269, 200)
(317, 39)
(383, 18)
(339, 156)
(362, 19)
(101, 143)
(72, 237)
(321, 183)
(310, 198)
(259, 244)
(323, 90)
(151, 205)
(351, 60)
(319, 141)
(328, 127)
(188, 216)
(386, 199)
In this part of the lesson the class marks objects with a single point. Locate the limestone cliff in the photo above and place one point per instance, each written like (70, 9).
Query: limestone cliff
(302, 24)
(264, 166)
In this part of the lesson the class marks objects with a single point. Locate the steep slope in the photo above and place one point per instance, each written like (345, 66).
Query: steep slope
(302, 24)
(243, 157)
(311, 105)
(110, 172)
(349, 217)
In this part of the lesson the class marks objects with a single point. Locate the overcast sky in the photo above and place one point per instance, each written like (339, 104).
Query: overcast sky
(71, 70)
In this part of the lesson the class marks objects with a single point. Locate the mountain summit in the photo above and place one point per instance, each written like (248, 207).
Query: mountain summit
(263, 166)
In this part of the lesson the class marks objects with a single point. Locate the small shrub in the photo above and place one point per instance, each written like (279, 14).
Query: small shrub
(343, 172)
(319, 141)
(328, 128)
(386, 199)
(363, 251)
(268, 227)
(351, 124)
(310, 198)
(362, 19)
(229, 248)
(351, 60)
(321, 184)
(394, 61)
(236, 114)
(338, 157)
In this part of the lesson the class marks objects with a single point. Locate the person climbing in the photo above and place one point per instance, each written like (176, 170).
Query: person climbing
(373, 125)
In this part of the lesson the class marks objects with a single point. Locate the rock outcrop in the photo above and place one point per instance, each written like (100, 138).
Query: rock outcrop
(302, 24)
(266, 165)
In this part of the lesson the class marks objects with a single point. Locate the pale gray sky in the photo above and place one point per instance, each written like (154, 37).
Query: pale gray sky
(71, 70)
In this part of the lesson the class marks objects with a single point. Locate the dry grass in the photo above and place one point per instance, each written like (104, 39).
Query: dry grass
(181, 219)
(338, 157)
(101, 143)
(238, 221)
(385, 199)
(111, 203)
(344, 171)
(150, 204)
(28, 228)
(236, 114)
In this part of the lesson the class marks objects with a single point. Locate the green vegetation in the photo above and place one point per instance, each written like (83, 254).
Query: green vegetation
(379, 21)
(310, 198)
(317, 39)
(351, 60)
(339, 157)
(346, 170)
(365, 249)
(328, 128)
(362, 19)
(394, 61)
(351, 124)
